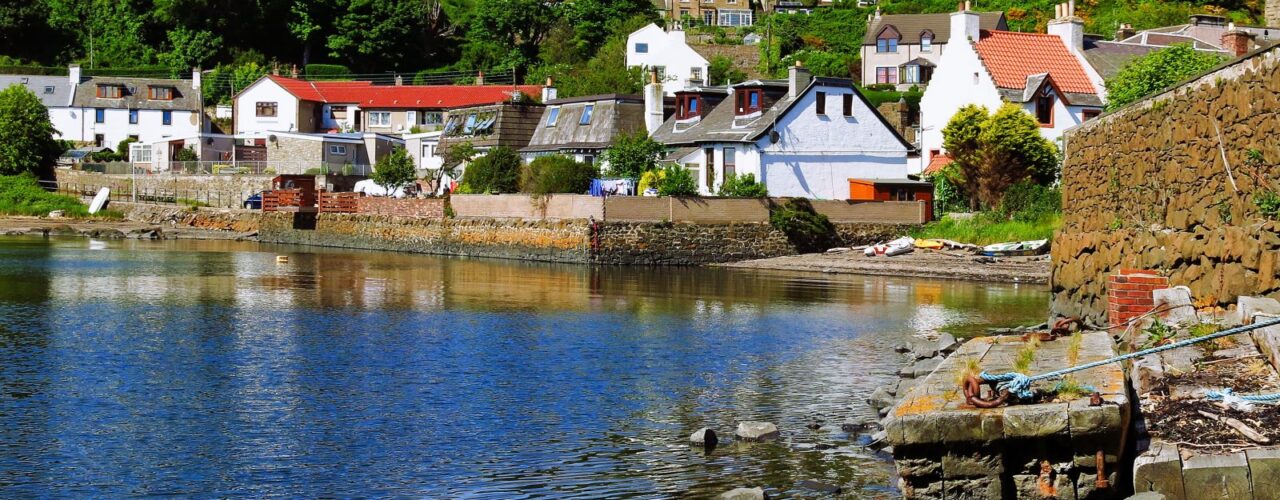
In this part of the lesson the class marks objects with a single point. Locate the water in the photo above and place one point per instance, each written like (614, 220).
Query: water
(205, 369)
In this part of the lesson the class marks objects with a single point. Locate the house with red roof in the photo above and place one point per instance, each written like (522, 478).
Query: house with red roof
(281, 104)
(1045, 73)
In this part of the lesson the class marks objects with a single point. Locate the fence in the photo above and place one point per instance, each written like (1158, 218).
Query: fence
(288, 200)
(227, 168)
(338, 203)
(124, 192)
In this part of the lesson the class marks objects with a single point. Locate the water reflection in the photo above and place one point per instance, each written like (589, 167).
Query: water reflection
(206, 369)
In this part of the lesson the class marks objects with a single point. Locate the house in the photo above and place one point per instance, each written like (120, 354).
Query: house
(424, 149)
(509, 124)
(583, 127)
(904, 50)
(679, 66)
(55, 92)
(802, 137)
(1203, 32)
(713, 12)
(282, 104)
(106, 110)
(350, 153)
(1046, 74)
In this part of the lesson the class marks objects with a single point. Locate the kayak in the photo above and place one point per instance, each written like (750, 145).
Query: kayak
(1013, 249)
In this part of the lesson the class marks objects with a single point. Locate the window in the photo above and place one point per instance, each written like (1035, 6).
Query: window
(1044, 108)
(749, 101)
(926, 43)
(687, 106)
(661, 71)
(337, 150)
(432, 117)
(553, 115)
(848, 105)
(708, 17)
(1090, 114)
(642, 48)
(99, 115)
(48, 90)
(887, 75)
(911, 74)
(822, 103)
(110, 91)
(711, 167)
(266, 109)
(586, 114)
(379, 118)
(428, 150)
(470, 124)
(887, 45)
(160, 93)
(166, 117)
(338, 112)
(133, 117)
(695, 74)
(730, 162)
(735, 17)
(98, 139)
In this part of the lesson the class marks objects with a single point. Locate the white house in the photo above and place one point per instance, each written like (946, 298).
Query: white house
(1046, 74)
(424, 149)
(803, 137)
(106, 110)
(679, 66)
(55, 92)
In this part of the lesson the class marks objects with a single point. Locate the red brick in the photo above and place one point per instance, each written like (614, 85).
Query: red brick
(1149, 280)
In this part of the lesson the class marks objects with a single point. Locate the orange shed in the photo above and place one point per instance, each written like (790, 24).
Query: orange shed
(892, 190)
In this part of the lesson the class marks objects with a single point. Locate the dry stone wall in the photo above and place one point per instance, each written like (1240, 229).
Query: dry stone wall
(1169, 184)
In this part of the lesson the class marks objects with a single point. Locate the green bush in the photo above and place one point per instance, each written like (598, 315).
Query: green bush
(22, 195)
(394, 170)
(677, 181)
(807, 229)
(184, 154)
(557, 174)
(742, 186)
(1029, 202)
(122, 148)
(496, 172)
(326, 72)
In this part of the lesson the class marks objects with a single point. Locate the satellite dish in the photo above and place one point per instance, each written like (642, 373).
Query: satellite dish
(271, 138)
(774, 137)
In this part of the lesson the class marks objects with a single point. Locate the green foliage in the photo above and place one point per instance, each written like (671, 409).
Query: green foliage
(1027, 201)
(650, 179)
(326, 72)
(26, 134)
(632, 155)
(1158, 334)
(947, 194)
(724, 72)
(830, 39)
(394, 170)
(184, 154)
(1026, 356)
(226, 81)
(807, 229)
(677, 181)
(1156, 71)
(995, 152)
(1201, 329)
(496, 172)
(556, 174)
(1268, 202)
(742, 186)
(22, 195)
(187, 48)
(122, 148)
(989, 227)
(379, 35)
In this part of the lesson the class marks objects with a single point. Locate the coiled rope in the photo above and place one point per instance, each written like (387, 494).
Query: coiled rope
(1020, 385)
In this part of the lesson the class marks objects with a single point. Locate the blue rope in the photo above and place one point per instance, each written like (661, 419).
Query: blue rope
(1020, 385)
(1259, 398)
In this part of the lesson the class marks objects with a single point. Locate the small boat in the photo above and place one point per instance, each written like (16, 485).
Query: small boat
(899, 246)
(931, 244)
(1015, 249)
(99, 201)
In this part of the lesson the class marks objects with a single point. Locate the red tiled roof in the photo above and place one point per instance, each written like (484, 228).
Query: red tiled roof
(937, 164)
(367, 95)
(1011, 57)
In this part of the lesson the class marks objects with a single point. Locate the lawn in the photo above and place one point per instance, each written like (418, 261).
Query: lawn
(988, 228)
(22, 195)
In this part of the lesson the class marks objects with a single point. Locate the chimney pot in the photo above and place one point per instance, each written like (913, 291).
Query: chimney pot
(480, 78)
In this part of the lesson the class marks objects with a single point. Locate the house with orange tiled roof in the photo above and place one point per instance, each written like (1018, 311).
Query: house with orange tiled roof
(1044, 73)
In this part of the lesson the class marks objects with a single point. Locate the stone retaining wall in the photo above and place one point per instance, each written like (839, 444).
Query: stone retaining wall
(1169, 184)
(225, 191)
(240, 221)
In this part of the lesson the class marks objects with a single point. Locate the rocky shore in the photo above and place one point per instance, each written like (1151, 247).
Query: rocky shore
(918, 264)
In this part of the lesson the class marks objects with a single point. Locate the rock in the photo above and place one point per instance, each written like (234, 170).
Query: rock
(880, 398)
(924, 349)
(1264, 471)
(1148, 372)
(1177, 301)
(107, 234)
(744, 494)
(1147, 495)
(813, 426)
(819, 486)
(1216, 476)
(757, 431)
(57, 214)
(838, 250)
(901, 348)
(63, 230)
(704, 436)
(1159, 470)
(878, 439)
(947, 343)
(1249, 306)
(38, 231)
(924, 367)
(904, 386)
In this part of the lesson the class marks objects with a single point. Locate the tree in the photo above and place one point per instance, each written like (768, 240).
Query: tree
(557, 174)
(724, 72)
(496, 172)
(394, 170)
(26, 134)
(1156, 71)
(960, 138)
(992, 153)
(506, 34)
(677, 181)
(632, 155)
(187, 49)
(377, 35)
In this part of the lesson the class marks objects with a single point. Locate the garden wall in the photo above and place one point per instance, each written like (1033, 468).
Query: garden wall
(227, 191)
(1169, 184)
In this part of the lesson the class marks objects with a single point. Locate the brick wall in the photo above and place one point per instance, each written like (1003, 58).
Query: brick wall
(409, 207)
(1129, 294)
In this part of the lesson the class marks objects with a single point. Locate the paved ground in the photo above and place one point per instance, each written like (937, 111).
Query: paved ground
(921, 263)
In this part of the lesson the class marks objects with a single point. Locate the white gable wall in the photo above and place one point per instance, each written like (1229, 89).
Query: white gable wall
(265, 90)
(668, 50)
(959, 80)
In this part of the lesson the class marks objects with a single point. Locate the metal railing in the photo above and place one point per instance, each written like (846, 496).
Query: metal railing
(273, 167)
(123, 192)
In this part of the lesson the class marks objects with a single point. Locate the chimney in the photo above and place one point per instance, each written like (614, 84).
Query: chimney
(654, 101)
(1237, 42)
(195, 78)
(1125, 32)
(1069, 28)
(798, 79)
(965, 24)
(73, 73)
(877, 13)
(293, 72)
(399, 80)
(549, 91)
(480, 78)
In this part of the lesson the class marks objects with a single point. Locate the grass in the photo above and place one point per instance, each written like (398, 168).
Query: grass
(985, 229)
(1026, 356)
(22, 195)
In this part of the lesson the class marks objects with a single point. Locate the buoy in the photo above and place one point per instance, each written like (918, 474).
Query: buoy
(282, 259)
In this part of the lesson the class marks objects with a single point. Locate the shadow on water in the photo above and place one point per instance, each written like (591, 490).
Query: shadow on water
(207, 369)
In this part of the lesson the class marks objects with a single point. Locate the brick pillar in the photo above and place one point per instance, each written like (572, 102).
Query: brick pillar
(1129, 294)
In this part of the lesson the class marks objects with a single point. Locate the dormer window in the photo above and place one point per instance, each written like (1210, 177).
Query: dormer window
(749, 101)
(160, 93)
(926, 42)
(110, 91)
(887, 40)
(1044, 107)
(688, 106)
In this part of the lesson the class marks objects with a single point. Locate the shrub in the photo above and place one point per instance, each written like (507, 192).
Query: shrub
(1029, 202)
(807, 229)
(632, 155)
(186, 154)
(496, 172)
(650, 179)
(122, 148)
(22, 195)
(26, 135)
(395, 170)
(557, 174)
(1156, 71)
(742, 186)
(677, 181)
(326, 72)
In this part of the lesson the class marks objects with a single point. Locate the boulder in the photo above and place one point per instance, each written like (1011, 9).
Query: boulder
(924, 349)
(901, 348)
(1249, 306)
(880, 398)
(924, 367)
(1177, 303)
(704, 436)
(744, 494)
(947, 343)
(757, 431)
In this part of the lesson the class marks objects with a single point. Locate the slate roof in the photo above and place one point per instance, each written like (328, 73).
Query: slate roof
(40, 86)
(611, 116)
(1108, 57)
(1011, 57)
(136, 95)
(369, 96)
(912, 25)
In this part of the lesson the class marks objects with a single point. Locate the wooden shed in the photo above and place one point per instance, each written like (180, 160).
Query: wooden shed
(892, 190)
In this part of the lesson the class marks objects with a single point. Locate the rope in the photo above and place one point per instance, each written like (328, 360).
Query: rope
(1228, 394)
(1020, 385)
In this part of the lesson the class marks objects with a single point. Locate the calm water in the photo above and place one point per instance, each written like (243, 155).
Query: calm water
(204, 369)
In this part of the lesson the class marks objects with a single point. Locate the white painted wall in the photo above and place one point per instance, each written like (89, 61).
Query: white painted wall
(347, 124)
(265, 90)
(959, 80)
(669, 50)
(1064, 117)
(66, 122)
(116, 126)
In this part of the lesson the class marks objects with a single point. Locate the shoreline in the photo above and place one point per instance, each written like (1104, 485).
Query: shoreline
(918, 264)
(17, 225)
